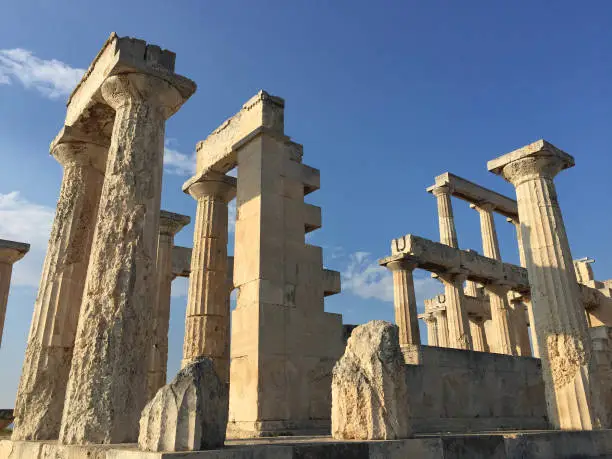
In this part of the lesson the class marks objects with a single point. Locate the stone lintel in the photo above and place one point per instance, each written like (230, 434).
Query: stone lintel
(218, 151)
(171, 223)
(312, 217)
(331, 282)
(476, 194)
(15, 250)
(124, 55)
(538, 148)
(441, 258)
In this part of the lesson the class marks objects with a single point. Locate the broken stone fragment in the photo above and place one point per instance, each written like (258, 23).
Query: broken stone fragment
(189, 414)
(369, 390)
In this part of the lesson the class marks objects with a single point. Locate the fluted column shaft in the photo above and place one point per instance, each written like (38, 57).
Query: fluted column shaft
(479, 340)
(490, 243)
(501, 319)
(561, 328)
(208, 308)
(441, 328)
(10, 252)
(108, 378)
(404, 301)
(456, 311)
(42, 388)
(169, 224)
(518, 312)
(446, 219)
(432, 330)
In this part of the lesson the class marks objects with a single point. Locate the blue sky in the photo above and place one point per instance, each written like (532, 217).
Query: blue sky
(383, 95)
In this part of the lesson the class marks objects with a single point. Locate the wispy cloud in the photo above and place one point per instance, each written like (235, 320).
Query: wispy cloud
(52, 78)
(25, 221)
(178, 163)
(362, 276)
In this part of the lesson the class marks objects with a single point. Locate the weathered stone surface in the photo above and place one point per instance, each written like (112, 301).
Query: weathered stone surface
(107, 385)
(40, 398)
(369, 390)
(189, 414)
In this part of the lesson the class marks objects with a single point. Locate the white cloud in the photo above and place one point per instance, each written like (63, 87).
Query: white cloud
(24, 221)
(178, 163)
(365, 278)
(52, 78)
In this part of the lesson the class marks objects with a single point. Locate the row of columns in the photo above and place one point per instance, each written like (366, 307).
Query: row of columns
(87, 359)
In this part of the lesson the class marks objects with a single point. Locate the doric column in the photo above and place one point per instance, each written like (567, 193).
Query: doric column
(479, 340)
(10, 252)
(169, 224)
(490, 243)
(208, 309)
(456, 311)
(441, 328)
(432, 329)
(572, 394)
(501, 318)
(448, 233)
(108, 377)
(40, 397)
(404, 301)
(526, 299)
(518, 312)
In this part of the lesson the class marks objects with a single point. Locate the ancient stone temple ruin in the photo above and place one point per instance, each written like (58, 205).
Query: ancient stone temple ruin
(516, 355)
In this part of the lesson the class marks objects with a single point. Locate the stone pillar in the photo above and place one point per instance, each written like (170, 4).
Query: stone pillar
(441, 328)
(490, 243)
(108, 378)
(479, 340)
(432, 329)
(42, 388)
(448, 233)
(169, 224)
(404, 301)
(208, 310)
(502, 320)
(456, 311)
(10, 252)
(526, 299)
(518, 312)
(572, 395)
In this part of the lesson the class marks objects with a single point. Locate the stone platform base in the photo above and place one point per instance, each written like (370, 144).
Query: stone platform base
(507, 445)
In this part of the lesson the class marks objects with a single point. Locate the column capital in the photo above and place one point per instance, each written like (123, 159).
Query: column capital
(140, 88)
(171, 223)
(537, 160)
(499, 288)
(211, 184)
(515, 221)
(11, 251)
(441, 190)
(403, 264)
(455, 276)
(79, 153)
(482, 207)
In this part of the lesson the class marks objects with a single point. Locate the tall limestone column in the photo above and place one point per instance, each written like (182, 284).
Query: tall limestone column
(40, 397)
(456, 312)
(10, 252)
(477, 331)
(432, 329)
(441, 328)
(208, 309)
(572, 394)
(498, 295)
(446, 219)
(526, 298)
(108, 378)
(518, 311)
(169, 224)
(404, 300)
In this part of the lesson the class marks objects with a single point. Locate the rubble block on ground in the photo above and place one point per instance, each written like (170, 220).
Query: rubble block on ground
(189, 414)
